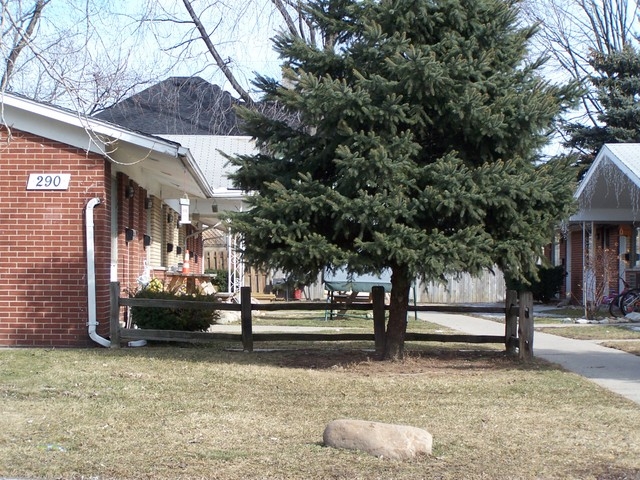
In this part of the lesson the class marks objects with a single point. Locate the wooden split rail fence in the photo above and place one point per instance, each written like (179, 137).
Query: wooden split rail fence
(518, 314)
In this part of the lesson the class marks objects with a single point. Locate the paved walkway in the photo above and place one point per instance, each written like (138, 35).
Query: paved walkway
(612, 369)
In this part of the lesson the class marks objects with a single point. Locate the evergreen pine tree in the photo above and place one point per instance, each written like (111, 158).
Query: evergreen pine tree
(617, 80)
(413, 151)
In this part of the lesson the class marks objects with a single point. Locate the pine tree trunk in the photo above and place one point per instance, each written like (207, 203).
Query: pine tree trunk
(397, 326)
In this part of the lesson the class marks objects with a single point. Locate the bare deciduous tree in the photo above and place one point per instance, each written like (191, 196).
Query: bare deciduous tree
(65, 52)
(570, 30)
(21, 34)
(205, 33)
(600, 270)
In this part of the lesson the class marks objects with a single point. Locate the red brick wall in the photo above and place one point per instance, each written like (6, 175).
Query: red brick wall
(131, 215)
(43, 284)
(614, 247)
(194, 245)
(563, 261)
(576, 261)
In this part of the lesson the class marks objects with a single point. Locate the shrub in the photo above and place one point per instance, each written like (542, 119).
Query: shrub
(221, 279)
(162, 318)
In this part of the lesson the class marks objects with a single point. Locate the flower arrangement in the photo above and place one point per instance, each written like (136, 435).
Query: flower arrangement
(155, 285)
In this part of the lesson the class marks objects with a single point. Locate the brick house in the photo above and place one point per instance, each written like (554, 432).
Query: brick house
(83, 203)
(600, 244)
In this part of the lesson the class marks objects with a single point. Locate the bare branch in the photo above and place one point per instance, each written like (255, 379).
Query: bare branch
(572, 29)
(23, 39)
(217, 57)
(287, 18)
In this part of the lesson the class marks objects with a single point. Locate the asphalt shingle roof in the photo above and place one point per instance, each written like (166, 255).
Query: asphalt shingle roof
(177, 106)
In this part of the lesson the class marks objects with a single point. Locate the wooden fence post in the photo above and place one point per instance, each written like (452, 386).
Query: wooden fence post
(245, 319)
(511, 322)
(114, 320)
(525, 326)
(377, 296)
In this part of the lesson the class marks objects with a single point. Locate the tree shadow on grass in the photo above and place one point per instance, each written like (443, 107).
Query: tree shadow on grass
(609, 472)
(429, 360)
(348, 356)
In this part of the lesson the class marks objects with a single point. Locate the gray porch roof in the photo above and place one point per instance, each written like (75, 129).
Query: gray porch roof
(610, 192)
(207, 150)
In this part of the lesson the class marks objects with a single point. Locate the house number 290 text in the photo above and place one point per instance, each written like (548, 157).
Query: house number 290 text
(48, 181)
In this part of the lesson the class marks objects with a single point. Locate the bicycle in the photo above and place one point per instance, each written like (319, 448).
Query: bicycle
(625, 302)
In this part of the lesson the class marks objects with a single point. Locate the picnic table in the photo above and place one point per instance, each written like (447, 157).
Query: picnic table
(191, 281)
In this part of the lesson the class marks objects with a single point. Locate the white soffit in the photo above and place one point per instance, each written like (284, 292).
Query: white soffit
(58, 124)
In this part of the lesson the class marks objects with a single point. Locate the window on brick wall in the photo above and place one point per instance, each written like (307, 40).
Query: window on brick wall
(634, 261)
(556, 255)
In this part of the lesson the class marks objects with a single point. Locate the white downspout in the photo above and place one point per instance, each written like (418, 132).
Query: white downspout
(91, 275)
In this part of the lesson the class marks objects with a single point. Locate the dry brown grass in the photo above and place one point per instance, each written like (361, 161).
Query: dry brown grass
(593, 332)
(620, 336)
(169, 412)
(632, 347)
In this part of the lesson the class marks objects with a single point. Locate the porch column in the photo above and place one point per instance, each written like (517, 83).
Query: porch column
(568, 263)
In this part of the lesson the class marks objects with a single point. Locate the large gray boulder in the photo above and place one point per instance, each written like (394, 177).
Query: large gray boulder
(398, 442)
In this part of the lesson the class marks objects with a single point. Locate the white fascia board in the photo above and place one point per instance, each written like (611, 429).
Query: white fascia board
(96, 136)
(604, 152)
(37, 118)
(147, 142)
(226, 193)
(49, 127)
(192, 166)
(627, 158)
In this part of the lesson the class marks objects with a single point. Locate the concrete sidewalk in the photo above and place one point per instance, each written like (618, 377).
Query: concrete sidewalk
(612, 369)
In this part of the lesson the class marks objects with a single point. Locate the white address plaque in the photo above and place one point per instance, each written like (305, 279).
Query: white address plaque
(48, 181)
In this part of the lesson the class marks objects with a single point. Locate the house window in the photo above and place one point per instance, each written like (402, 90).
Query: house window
(634, 261)
(556, 256)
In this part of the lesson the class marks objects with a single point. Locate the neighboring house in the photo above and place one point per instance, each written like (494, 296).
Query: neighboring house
(84, 203)
(600, 244)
